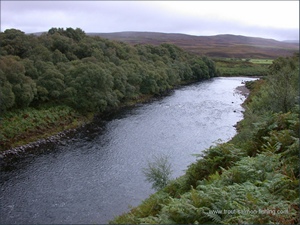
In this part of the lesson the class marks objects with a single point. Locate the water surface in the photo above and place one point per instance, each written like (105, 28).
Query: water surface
(96, 174)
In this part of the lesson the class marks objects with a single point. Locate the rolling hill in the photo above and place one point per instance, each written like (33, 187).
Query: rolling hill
(227, 45)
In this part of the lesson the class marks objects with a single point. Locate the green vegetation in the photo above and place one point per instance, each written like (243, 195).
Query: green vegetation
(22, 126)
(242, 67)
(260, 61)
(252, 179)
(55, 78)
(158, 172)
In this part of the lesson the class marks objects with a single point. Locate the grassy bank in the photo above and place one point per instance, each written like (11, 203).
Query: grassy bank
(20, 127)
(23, 126)
(242, 67)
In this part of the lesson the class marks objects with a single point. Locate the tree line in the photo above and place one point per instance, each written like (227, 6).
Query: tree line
(89, 74)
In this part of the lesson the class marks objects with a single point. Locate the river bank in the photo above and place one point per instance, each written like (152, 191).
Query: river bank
(52, 132)
(243, 90)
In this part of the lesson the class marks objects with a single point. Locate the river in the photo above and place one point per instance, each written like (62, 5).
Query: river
(95, 174)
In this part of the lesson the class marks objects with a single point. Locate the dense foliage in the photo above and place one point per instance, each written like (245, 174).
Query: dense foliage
(89, 74)
(65, 70)
(252, 179)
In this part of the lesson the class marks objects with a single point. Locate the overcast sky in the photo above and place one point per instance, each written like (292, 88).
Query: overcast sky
(268, 19)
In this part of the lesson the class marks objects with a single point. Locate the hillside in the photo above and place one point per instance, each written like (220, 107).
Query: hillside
(231, 46)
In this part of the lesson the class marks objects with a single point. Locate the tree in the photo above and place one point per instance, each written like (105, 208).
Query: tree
(134, 78)
(15, 42)
(158, 172)
(40, 52)
(53, 81)
(57, 57)
(90, 88)
(211, 66)
(281, 92)
(76, 35)
(283, 89)
(149, 85)
(30, 69)
(7, 97)
(200, 69)
(23, 87)
(64, 44)
(120, 82)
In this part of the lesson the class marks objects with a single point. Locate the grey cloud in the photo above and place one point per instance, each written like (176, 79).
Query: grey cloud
(113, 16)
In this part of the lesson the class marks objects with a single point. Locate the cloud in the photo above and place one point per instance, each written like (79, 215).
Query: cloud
(196, 17)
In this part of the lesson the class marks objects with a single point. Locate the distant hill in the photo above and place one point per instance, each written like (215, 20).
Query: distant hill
(226, 45)
(292, 41)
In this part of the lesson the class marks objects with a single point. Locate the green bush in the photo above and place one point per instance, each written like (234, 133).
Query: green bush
(213, 160)
(158, 172)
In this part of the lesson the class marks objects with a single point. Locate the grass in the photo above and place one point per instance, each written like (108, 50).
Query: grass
(261, 61)
(242, 66)
(20, 127)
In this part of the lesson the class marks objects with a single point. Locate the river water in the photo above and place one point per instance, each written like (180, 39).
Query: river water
(95, 174)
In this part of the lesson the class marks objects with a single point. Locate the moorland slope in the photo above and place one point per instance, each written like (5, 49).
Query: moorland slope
(227, 45)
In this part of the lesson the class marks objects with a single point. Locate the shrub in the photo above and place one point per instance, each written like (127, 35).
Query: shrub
(158, 172)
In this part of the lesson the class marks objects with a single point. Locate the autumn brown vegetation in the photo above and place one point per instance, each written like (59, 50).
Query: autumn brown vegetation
(225, 46)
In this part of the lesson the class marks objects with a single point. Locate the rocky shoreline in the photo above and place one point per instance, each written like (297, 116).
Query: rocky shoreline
(24, 148)
(56, 138)
(243, 90)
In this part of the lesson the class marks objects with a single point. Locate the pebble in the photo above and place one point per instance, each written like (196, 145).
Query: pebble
(21, 149)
